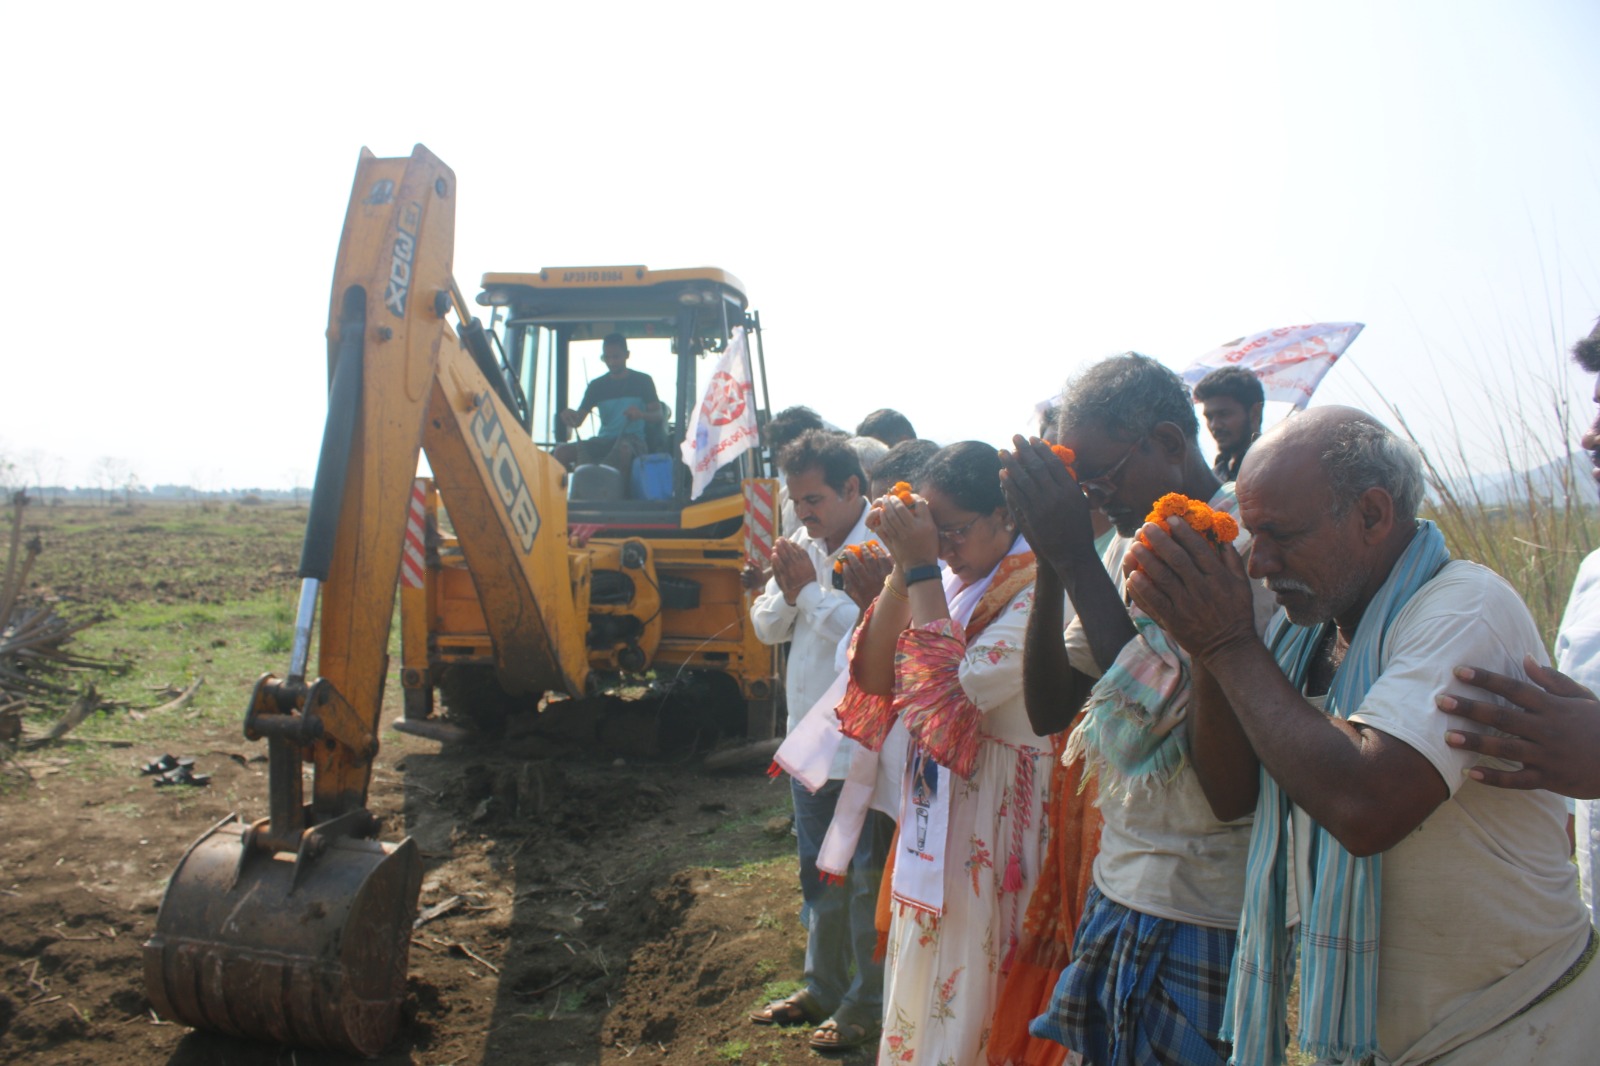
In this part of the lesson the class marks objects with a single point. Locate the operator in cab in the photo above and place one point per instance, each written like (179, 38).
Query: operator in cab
(626, 400)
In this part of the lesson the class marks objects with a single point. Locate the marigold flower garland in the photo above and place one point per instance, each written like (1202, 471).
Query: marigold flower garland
(1068, 457)
(1216, 526)
(901, 490)
(860, 551)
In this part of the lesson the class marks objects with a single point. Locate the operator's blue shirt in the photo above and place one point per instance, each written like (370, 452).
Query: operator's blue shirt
(612, 395)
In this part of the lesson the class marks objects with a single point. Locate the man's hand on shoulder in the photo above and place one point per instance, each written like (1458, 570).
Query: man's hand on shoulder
(1552, 727)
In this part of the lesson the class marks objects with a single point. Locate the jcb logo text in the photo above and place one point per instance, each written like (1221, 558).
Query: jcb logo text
(400, 260)
(504, 472)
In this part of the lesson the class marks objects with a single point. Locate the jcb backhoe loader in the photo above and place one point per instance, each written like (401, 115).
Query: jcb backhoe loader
(660, 571)
(296, 927)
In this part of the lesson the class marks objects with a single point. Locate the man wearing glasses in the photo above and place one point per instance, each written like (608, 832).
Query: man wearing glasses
(1150, 960)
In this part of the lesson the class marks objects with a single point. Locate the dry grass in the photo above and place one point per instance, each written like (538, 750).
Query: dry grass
(1536, 538)
(1503, 482)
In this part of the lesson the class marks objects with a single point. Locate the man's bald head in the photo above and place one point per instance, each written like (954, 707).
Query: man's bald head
(1330, 499)
(1354, 451)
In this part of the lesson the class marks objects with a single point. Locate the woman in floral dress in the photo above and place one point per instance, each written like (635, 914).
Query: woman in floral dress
(943, 653)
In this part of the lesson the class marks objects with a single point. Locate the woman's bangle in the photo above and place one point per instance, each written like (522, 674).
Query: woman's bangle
(888, 586)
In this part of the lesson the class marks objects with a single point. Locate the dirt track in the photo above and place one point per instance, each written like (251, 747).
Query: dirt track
(633, 912)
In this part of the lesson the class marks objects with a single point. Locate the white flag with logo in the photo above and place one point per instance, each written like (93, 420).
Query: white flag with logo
(1290, 362)
(724, 425)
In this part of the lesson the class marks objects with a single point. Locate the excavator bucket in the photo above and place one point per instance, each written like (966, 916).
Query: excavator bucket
(309, 950)
(297, 928)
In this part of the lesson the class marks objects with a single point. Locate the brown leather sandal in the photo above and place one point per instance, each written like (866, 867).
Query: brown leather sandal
(834, 1035)
(801, 1008)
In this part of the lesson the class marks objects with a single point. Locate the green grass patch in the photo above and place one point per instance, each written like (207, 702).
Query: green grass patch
(733, 1050)
(773, 991)
(746, 872)
(167, 646)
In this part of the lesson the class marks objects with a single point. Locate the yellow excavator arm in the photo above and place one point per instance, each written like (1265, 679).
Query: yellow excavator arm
(296, 927)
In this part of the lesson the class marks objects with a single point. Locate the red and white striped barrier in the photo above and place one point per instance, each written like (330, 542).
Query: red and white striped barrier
(760, 519)
(412, 559)
(578, 533)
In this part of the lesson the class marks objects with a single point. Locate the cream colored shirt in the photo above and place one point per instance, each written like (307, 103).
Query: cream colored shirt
(1482, 891)
(1163, 852)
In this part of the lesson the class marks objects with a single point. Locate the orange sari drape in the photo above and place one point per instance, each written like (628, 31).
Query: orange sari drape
(1052, 918)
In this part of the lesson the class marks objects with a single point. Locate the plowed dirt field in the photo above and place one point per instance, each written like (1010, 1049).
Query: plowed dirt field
(607, 909)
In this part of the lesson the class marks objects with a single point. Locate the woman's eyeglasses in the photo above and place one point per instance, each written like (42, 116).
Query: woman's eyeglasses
(956, 537)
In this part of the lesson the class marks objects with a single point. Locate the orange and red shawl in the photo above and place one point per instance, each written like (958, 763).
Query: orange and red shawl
(948, 732)
(867, 718)
(1052, 918)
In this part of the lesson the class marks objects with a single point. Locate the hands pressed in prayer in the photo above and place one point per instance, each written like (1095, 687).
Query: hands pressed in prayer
(753, 577)
(1201, 596)
(864, 574)
(908, 532)
(792, 568)
(1050, 507)
(1554, 727)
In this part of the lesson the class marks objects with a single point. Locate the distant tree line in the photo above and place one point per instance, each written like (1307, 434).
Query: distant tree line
(112, 480)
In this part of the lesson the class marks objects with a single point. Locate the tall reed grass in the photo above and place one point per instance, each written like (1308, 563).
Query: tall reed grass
(1514, 492)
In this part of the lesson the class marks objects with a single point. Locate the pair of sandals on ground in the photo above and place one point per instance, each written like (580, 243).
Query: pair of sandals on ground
(831, 1034)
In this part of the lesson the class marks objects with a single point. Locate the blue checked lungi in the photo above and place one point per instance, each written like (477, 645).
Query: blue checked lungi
(1141, 991)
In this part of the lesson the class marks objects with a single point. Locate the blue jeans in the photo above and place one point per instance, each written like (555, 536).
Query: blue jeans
(839, 928)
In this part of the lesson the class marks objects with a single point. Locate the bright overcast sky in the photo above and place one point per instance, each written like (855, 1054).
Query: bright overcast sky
(943, 209)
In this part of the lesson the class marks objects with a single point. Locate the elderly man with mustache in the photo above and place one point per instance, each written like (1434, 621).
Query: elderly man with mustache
(1439, 920)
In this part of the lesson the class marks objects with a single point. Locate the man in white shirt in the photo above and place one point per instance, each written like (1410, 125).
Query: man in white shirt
(1439, 918)
(825, 483)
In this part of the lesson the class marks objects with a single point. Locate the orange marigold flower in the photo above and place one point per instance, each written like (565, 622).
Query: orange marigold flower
(901, 490)
(854, 549)
(1216, 526)
(1067, 456)
(1169, 506)
(1223, 525)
